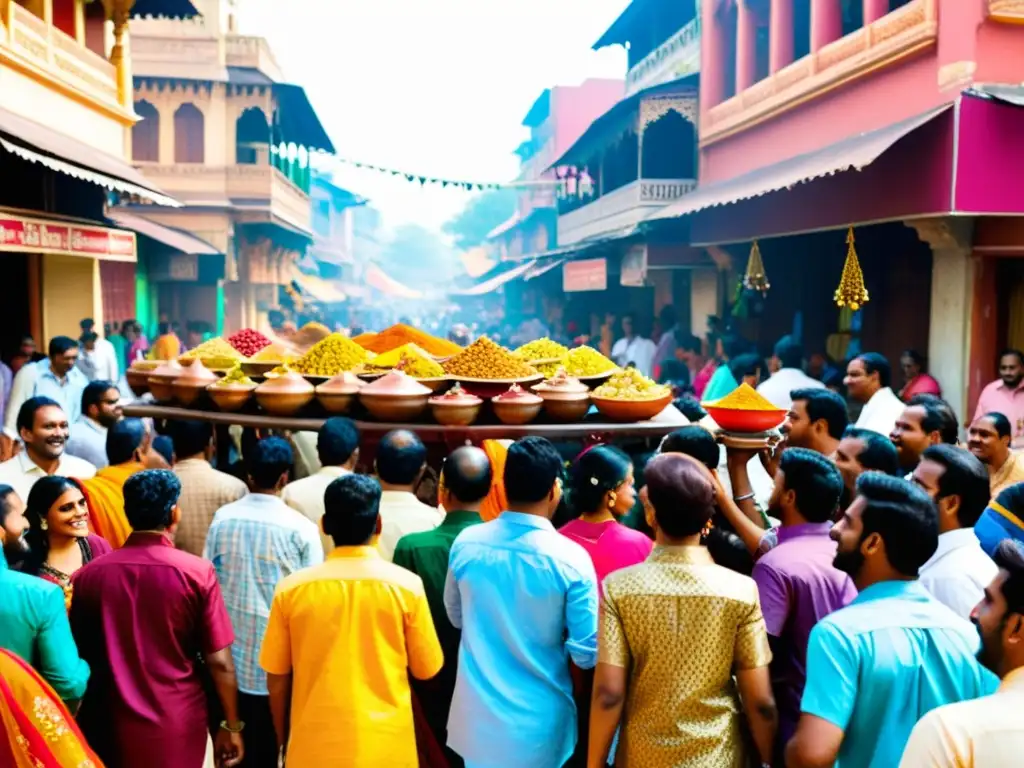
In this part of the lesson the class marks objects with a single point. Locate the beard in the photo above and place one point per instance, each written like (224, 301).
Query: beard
(849, 563)
(16, 550)
(988, 657)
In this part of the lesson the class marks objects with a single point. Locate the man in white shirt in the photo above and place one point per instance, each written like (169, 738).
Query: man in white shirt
(55, 377)
(958, 572)
(43, 428)
(101, 353)
(401, 461)
(867, 381)
(101, 409)
(633, 349)
(337, 448)
(787, 374)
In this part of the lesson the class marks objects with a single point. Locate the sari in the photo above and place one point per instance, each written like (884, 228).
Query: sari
(166, 347)
(496, 501)
(91, 547)
(922, 384)
(37, 729)
(105, 494)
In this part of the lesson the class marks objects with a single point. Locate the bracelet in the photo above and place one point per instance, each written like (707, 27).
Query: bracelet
(226, 726)
(744, 497)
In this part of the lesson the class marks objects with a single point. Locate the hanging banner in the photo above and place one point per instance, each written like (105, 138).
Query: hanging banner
(21, 234)
(585, 275)
(633, 272)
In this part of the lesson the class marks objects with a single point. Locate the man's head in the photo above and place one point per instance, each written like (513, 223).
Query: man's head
(866, 374)
(101, 402)
(746, 369)
(267, 464)
(816, 420)
(63, 355)
(28, 346)
(130, 440)
(950, 432)
(337, 444)
(401, 459)
(13, 525)
(465, 479)
(351, 510)
(88, 324)
(88, 340)
(192, 439)
(919, 426)
(43, 428)
(533, 476)
(163, 328)
(679, 496)
(667, 317)
(911, 363)
(816, 365)
(999, 616)
(629, 325)
(130, 330)
(693, 440)
(862, 450)
(989, 439)
(957, 482)
(688, 348)
(1011, 367)
(788, 353)
(151, 500)
(807, 488)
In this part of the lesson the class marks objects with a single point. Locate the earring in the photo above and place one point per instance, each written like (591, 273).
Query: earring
(612, 498)
(44, 525)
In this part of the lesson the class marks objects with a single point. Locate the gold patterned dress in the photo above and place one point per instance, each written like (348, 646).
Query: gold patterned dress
(681, 625)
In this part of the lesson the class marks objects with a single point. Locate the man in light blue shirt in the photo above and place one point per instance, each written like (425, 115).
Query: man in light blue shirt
(101, 409)
(525, 598)
(895, 653)
(56, 377)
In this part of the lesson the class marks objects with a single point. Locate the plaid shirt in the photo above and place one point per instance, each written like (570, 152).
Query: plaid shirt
(204, 490)
(254, 543)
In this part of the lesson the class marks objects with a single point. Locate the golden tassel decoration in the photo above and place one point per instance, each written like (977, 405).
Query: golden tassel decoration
(755, 279)
(851, 291)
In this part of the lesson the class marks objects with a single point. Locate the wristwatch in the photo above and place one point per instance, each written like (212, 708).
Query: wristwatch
(232, 727)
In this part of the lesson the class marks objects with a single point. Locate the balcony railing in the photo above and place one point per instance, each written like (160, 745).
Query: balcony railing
(1006, 11)
(254, 52)
(892, 38)
(622, 207)
(677, 57)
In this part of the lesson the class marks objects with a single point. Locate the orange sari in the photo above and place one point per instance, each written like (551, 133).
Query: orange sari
(37, 729)
(496, 502)
(105, 494)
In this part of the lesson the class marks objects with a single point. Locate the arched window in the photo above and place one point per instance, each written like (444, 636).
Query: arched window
(146, 134)
(670, 148)
(189, 136)
(252, 134)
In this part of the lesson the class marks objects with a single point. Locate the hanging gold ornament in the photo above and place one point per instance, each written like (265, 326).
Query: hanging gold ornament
(755, 279)
(851, 291)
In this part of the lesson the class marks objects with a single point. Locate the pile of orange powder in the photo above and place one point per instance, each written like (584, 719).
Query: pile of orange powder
(400, 334)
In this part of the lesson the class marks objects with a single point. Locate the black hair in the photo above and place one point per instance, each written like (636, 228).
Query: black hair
(668, 317)
(163, 445)
(400, 458)
(1009, 556)
(693, 440)
(939, 417)
(60, 345)
(876, 363)
(163, 328)
(268, 460)
(790, 352)
(1010, 351)
(601, 469)
(149, 499)
(690, 407)
(964, 476)
(879, 454)
(733, 345)
(123, 439)
(5, 504)
(744, 365)
(337, 441)
(190, 437)
(681, 494)
(690, 343)
(1000, 422)
(94, 392)
(915, 357)
(905, 518)
(85, 338)
(467, 475)
(27, 413)
(41, 498)
(824, 404)
(815, 481)
(531, 468)
(87, 324)
(351, 509)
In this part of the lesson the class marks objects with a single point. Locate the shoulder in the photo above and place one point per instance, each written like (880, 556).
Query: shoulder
(418, 540)
(32, 585)
(76, 467)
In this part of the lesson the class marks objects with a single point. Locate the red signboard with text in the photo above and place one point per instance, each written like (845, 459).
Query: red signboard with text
(27, 235)
(585, 275)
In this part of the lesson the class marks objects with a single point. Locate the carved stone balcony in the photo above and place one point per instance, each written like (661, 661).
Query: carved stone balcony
(1006, 11)
(622, 207)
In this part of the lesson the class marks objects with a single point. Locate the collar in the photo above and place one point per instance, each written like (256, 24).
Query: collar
(94, 425)
(148, 539)
(1005, 388)
(361, 552)
(334, 471)
(787, 532)
(30, 467)
(460, 517)
(527, 521)
(958, 539)
(683, 555)
(1014, 680)
(267, 499)
(192, 463)
(400, 497)
(885, 393)
(884, 590)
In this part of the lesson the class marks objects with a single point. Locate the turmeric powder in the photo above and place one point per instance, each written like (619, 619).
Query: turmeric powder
(744, 398)
(399, 335)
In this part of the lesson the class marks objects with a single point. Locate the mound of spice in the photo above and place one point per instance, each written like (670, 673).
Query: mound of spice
(483, 359)
(744, 398)
(400, 334)
(273, 353)
(411, 359)
(215, 353)
(586, 361)
(630, 384)
(331, 356)
(235, 377)
(248, 341)
(541, 349)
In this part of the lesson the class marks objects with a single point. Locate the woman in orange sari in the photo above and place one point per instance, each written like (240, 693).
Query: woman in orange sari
(37, 729)
(496, 502)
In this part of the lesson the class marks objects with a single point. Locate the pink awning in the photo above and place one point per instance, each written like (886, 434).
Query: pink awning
(379, 280)
(494, 283)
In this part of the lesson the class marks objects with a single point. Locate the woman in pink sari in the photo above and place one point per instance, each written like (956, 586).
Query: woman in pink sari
(918, 382)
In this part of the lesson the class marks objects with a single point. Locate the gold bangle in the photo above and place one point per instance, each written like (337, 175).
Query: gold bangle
(226, 726)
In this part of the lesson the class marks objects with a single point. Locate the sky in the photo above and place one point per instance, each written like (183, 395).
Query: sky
(431, 87)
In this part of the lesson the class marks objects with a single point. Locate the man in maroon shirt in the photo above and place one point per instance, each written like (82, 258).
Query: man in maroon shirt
(143, 618)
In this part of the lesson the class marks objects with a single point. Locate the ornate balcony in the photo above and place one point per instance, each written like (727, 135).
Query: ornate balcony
(1006, 11)
(623, 207)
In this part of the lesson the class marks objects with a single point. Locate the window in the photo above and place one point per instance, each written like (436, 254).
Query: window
(146, 134)
(189, 136)
(252, 133)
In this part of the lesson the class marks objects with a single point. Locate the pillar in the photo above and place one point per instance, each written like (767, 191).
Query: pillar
(746, 47)
(118, 12)
(713, 46)
(874, 10)
(826, 22)
(780, 35)
(80, 21)
(164, 104)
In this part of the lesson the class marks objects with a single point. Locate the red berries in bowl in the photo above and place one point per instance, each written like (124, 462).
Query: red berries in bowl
(248, 342)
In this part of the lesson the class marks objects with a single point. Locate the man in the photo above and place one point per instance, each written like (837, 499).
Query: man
(342, 639)
(634, 349)
(985, 732)
(337, 448)
(864, 450)
(877, 666)
(33, 617)
(102, 354)
(401, 461)
(1005, 395)
(525, 598)
(786, 365)
(55, 377)
(204, 489)
(465, 483)
(959, 571)
(253, 544)
(722, 381)
(922, 424)
(670, 339)
(796, 580)
(867, 382)
(989, 439)
(816, 420)
(129, 450)
(43, 429)
(101, 409)
(140, 616)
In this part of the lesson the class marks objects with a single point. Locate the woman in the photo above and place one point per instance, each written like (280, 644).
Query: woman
(36, 729)
(495, 503)
(58, 536)
(918, 382)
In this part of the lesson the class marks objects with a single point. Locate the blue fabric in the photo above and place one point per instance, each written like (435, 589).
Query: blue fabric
(877, 666)
(34, 625)
(721, 384)
(526, 599)
(992, 528)
(68, 393)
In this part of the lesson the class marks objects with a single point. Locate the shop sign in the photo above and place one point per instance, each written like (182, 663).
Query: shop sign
(633, 272)
(28, 235)
(585, 275)
(677, 57)
(184, 267)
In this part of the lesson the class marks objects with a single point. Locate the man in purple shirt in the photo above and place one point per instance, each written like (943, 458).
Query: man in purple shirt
(798, 584)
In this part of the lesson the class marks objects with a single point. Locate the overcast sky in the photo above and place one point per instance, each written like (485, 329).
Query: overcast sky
(431, 87)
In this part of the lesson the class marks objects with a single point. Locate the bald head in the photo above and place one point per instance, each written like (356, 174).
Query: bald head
(401, 457)
(466, 478)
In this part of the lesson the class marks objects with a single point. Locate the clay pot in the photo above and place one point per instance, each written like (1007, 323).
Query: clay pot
(230, 397)
(138, 375)
(161, 380)
(517, 406)
(456, 408)
(395, 397)
(284, 395)
(337, 394)
(192, 383)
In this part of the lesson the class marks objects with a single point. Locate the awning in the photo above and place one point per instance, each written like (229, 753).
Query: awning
(164, 9)
(297, 121)
(179, 240)
(854, 153)
(583, 246)
(59, 152)
(1008, 94)
(536, 270)
(477, 262)
(492, 284)
(323, 291)
(504, 227)
(378, 279)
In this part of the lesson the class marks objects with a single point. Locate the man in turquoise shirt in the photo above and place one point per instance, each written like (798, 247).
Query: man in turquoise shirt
(33, 619)
(895, 653)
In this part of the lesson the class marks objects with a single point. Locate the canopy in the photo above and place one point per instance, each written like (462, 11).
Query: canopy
(495, 282)
(179, 240)
(164, 9)
(380, 280)
(319, 289)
